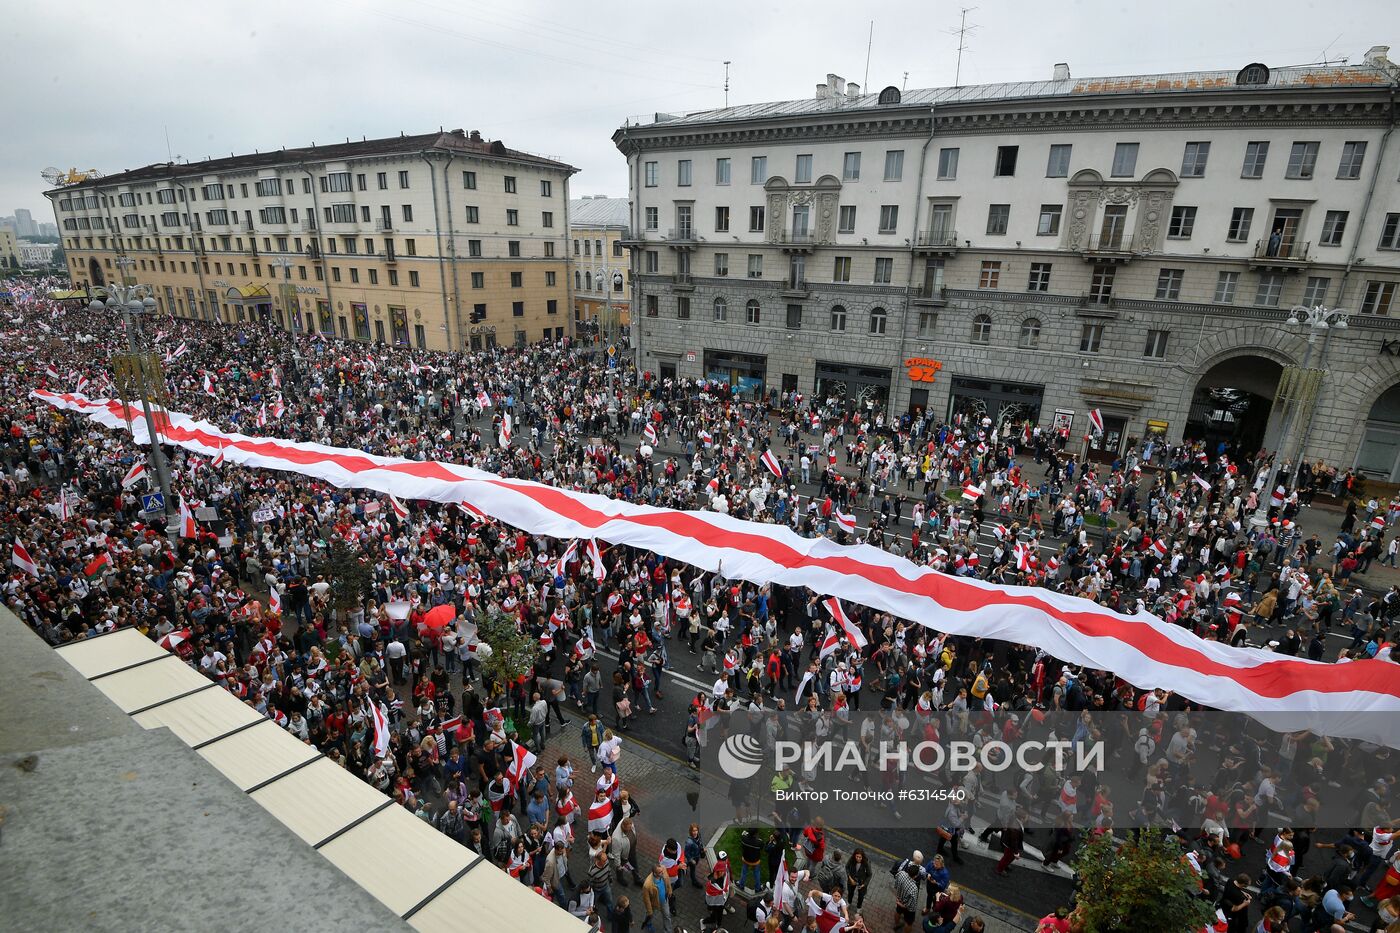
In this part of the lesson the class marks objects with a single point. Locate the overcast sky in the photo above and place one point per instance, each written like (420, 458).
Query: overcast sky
(97, 84)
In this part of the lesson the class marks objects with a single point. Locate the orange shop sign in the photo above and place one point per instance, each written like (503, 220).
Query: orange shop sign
(922, 370)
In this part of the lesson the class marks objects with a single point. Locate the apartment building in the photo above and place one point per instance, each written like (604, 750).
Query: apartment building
(602, 273)
(1038, 250)
(442, 240)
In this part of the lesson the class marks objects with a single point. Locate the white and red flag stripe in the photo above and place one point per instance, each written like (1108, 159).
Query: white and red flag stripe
(134, 475)
(1359, 699)
(649, 434)
(188, 528)
(771, 462)
(595, 558)
(379, 719)
(19, 556)
(971, 492)
(845, 521)
(400, 510)
(848, 628)
(1096, 421)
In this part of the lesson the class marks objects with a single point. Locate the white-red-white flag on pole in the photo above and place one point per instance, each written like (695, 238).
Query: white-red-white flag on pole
(595, 557)
(522, 760)
(400, 510)
(972, 492)
(82, 385)
(278, 407)
(134, 476)
(219, 458)
(482, 399)
(1200, 481)
(1022, 553)
(845, 521)
(380, 719)
(649, 434)
(1279, 496)
(1096, 421)
(830, 643)
(506, 430)
(771, 462)
(274, 601)
(188, 528)
(782, 896)
(19, 556)
(851, 630)
(209, 386)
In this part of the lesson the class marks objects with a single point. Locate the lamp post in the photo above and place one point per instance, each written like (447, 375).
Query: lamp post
(1294, 388)
(139, 369)
(285, 264)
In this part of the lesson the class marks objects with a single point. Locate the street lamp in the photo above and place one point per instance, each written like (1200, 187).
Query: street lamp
(1296, 386)
(140, 369)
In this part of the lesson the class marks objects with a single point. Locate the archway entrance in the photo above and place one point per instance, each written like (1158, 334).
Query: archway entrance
(1380, 443)
(95, 276)
(1231, 406)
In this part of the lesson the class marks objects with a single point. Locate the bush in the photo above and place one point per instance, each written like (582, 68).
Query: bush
(1144, 885)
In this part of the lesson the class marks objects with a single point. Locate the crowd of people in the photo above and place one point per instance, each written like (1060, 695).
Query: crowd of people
(254, 597)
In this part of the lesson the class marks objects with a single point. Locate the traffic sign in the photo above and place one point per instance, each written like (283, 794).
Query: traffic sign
(153, 502)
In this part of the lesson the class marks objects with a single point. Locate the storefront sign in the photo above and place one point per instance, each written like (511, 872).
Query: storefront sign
(690, 356)
(308, 290)
(922, 370)
(1156, 427)
(1064, 419)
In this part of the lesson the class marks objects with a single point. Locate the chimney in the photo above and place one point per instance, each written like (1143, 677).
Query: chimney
(823, 92)
(1376, 55)
(853, 90)
(837, 84)
(1061, 71)
(476, 136)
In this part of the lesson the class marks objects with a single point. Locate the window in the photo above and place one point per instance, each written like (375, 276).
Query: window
(218, 216)
(393, 276)
(408, 213)
(1255, 155)
(410, 247)
(653, 306)
(354, 275)
(998, 217)
(413, 279)
(683, 307)
(616, 248)
(752, 312)
(894, 165)
(1270, 289)
(1334, 225)
(652, 217)
(721, 220)
(210, 192)
(546, 218)
(1315, 292)
(879, 321)
(758, 170)
(928, 322)
(1169, 284)
(468, 181)
(1049, 224)
(382, 180)
(842, 270)
(546, 188)
(683, 172)
(990, 276)
(269, 187)
(850, 167)
(1182, 222)
(1006, 160)
(273, 215)
(1101, 285)
(982, 329)
(794, 317)
(512, 217)
(1058, 164)
(1156, 347)
(474, 249)
(755, 265)
(1241, 218)
(1090, 337)
(341, 213)
(513, 248)
(517, 308)
(1193, 160)
(1302, 160)
(517, 280)
(721, 171)
(167, 195)
(1030, 333)
(947, 164)
(846, 219)
(170, 218)
(650, 171)
(802, 172)
(889, 218)
(721, 310)
(653, 261)
(1225, 288)
(1039, 280)
(1353, 154)
(336, 181)
(478, 280)
(838, 319)
(474, 214)
(721, 264)
(403, 178)
(884, 270)
(509, 182)
(1379, 296)
(1125, 160)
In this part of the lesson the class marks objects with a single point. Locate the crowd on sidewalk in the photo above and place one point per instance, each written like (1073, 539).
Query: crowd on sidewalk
(248, 595)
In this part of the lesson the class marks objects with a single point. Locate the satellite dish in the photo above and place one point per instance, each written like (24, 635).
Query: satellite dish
(52, 175)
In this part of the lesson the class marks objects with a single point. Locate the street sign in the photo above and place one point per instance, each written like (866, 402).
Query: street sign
(612, 357)
(153, 502)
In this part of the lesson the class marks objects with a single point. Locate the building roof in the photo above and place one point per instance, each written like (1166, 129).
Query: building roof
(1371, 73)
(454, 141)
(599, 212)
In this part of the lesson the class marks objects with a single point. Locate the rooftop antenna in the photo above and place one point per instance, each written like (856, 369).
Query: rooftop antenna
(1325, 60)
(905, 86)
(168, 157)
(870, 41)
(962, 33)
(726, 84)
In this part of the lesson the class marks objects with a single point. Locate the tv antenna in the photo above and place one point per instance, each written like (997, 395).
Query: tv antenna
(962, 32)
(869, 44)
(726, 84)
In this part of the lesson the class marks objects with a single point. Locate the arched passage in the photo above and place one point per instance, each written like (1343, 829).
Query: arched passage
(95, 276)
(1231, 405)
(1379, 455)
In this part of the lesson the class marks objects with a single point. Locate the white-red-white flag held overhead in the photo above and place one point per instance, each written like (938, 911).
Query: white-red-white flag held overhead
(971, 492)
(830, 643)
(771, 462)
(82, 384)
(649, 434)
(595, 558)
(845, 521)
(482, 399)
(19, 556)
(522, 760)
(278, 407)
(506, 430)
(379, 718)
(174, 639)
(849, 629)
(400, 510)
(1096, 421)
(188, 528)
(134, 476)
(1022, 554)
(1200, 481)
(219, 457)
(274, 601)
(1279, 496)
(209, 386)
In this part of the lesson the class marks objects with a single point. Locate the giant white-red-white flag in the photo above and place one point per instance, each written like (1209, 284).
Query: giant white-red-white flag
(1358, 700)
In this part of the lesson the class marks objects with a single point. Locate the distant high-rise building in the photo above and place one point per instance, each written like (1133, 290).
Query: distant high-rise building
(24, 223)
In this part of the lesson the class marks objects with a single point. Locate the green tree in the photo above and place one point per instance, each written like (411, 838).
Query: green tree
(1144, 885)
(512, 655)
(348, 574)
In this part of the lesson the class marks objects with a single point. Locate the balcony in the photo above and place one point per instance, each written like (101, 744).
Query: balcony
(682, 282)
(799, 241)
(390, 256)
(308, 226)
(632, 238)
(937, 243)
(681, 236)
(1098, 305)
(385, 225)
(313, 251)
(1280, 257)
(931, 293)
(247, 226)
(1108, 247)
(795, 286)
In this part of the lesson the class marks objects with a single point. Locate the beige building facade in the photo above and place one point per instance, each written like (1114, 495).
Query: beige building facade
(9, 251)
(439, 241)
(602, 272)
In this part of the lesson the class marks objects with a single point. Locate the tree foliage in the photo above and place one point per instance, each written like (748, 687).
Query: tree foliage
(512, 655)
(349, 576)
(1144, 885)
